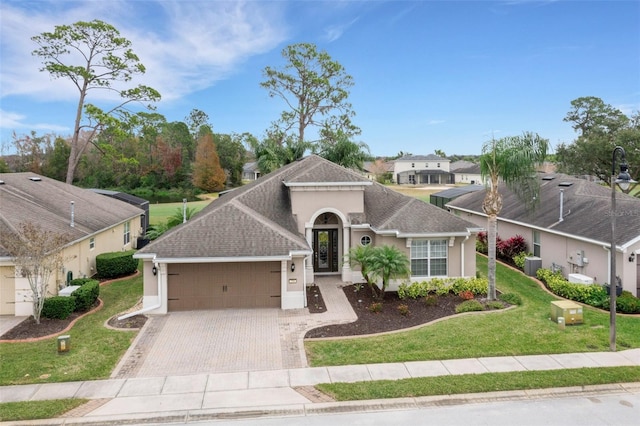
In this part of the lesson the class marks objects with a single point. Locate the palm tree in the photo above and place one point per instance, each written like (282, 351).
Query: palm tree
(388, 262)
(361, 256)
(339, 149)
(513, 160)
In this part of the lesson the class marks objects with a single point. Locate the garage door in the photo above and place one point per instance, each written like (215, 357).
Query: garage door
(223, 285)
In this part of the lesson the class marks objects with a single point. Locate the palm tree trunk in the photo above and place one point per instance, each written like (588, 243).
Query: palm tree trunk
(492, 232)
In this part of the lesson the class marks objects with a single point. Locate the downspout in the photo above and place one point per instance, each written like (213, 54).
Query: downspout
(150, 308)
(462, 256)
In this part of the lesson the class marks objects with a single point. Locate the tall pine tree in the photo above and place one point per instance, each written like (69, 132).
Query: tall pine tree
(207, 172)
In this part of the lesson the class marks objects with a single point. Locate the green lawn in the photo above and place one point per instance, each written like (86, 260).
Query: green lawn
(95, 349)
(474, 383)
(33, 410)
(521, 331)
(159, 213)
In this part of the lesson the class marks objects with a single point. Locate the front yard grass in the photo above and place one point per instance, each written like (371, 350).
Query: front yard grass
(525, 330)
(95, 349)
(33, 410)
(475, 383)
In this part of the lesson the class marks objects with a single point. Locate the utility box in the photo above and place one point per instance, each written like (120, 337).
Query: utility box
(580, 279)
(64, 344)
(570, 311)
(531, 265)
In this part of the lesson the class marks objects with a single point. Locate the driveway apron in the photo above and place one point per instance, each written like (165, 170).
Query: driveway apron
(232, 340)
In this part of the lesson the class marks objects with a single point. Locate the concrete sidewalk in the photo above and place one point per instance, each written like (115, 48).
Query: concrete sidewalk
(281, 392)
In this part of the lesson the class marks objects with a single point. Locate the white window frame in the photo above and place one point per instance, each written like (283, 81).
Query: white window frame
(127, 233)
(92, 243)
(365, 240)
(537, 248)
(430, 246)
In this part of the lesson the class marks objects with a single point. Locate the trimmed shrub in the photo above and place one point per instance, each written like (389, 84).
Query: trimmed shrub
(116, 264)
(403, 310)
(507, 249)
(442, 286)
(86, 295)
(494, 304)
(58, 307)
(375, 307)
(511, 298)
(469, 306)
(627, 303)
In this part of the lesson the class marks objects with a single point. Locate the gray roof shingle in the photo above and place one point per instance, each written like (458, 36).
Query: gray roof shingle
(256, 220)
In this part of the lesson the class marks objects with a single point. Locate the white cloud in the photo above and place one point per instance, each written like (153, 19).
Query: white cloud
(334, 32)
(197, 43)
(12, 120)
(434, 122)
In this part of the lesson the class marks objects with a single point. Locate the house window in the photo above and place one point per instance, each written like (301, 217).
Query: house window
(92, 243)
(127, 234)
(536, 243)
(412, 179)
(438, 164)
(428, 258)
(413, 165)
(365, 240)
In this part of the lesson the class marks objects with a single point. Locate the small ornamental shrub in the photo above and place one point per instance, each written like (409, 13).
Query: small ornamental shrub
(519, 259)
(507, 249)
(375, 307)
(494, 304)
(442, 286)
(511, 298)
(403, 310)
(58, 307)
(431, 300)
(626, 303)
(86, 295)
(116, 264)
(466, 294)
(469, 306)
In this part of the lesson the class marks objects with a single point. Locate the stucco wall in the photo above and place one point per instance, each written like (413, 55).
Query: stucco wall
(305, 202)
(406, 165)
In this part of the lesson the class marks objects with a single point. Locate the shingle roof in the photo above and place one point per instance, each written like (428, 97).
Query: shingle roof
(48, 202)
(256, 220)
(586, 209)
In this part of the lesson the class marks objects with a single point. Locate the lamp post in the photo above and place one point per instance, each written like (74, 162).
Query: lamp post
(624, 181)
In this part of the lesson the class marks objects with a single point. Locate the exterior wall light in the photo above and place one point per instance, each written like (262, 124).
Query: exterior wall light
(293, 267)
(632, 257)
(154, 270)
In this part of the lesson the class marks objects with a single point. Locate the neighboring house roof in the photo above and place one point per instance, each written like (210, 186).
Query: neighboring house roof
(473, 169)
(586, 209)
(28, 197)
(460, 164)
(430, 157)
(372, 166)
(250, 167)
(256, 220)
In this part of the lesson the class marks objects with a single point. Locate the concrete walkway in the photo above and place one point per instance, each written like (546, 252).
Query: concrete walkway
(288, 391)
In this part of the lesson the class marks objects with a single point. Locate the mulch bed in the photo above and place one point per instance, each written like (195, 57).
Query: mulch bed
(389, 318)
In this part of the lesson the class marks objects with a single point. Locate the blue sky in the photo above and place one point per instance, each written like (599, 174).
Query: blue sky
(428, 75)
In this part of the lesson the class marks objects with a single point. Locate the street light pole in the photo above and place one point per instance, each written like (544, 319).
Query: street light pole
(624, 180)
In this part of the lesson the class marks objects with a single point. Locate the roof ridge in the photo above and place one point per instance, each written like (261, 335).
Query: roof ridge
(266, 221)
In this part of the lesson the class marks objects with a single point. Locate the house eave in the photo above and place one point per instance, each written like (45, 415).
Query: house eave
(226, 259)
(325, 184)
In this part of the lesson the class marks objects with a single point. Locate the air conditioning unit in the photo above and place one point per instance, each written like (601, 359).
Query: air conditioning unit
(531, 265)
(580, 279)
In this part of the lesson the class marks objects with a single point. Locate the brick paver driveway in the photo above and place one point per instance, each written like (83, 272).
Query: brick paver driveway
(220, 341)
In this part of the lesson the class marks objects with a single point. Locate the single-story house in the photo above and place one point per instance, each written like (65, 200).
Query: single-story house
(250, 171)
(260, 245)
(422, 169)
(470, 175)
(570, 229)
(94, 223)
(135, 201)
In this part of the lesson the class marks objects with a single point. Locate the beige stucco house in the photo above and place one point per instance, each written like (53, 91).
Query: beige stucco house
(570, 230)
(94, 224)
(262, 244)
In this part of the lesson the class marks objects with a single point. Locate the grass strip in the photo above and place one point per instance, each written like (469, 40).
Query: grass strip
(477, 383)
(95, 349)
(34, 410)
(525, 330)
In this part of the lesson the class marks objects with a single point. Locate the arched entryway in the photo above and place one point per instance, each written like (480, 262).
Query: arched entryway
(326, 243)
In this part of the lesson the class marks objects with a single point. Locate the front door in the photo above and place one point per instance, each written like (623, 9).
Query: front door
(325, 250)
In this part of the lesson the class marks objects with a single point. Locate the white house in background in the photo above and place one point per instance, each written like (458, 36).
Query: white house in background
(95, 224)
(468, 175)
(422, 169)
(570, 230)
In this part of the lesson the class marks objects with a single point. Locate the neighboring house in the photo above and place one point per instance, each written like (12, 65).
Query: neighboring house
(442, 198)
(469, 175)
(570, 230)
(422, 169)
(95, 224)
(250, 171)
(134, 201)
(373, 170)
(262, 244)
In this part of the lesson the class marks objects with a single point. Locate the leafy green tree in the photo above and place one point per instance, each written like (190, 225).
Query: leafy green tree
(4, 167)
(56, 164)
(512, 160)
(344, 152)
(600, 129)
(386, 263)
(232, 156)
(277, 150)
(94, 57)
(207, 173)
(32, 151)
(315, 89)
